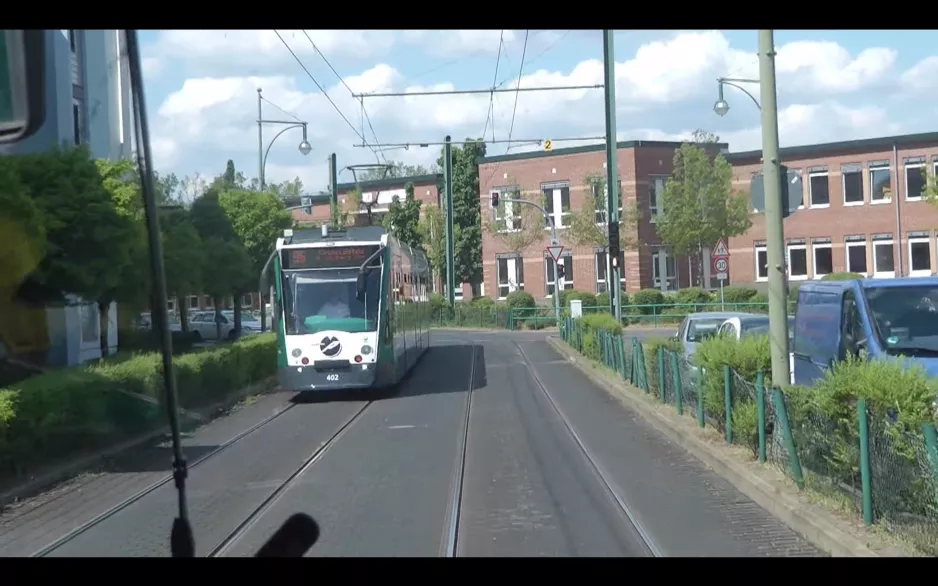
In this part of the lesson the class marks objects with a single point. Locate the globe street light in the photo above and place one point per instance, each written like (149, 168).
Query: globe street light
(304, 147)
(721, 107)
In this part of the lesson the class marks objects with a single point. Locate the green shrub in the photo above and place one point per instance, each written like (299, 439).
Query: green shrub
(692, 296)
(520, 299)
(593, 323)
(738, 294)
(568, 295)
(54, 415)
(437, 303)
(647, 297)
(842, 277)
(483, 302)
(650, 348)
(602, 299)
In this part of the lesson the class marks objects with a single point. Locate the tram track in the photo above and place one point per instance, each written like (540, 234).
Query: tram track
(450, 543)
(620, 501)
(109, 513)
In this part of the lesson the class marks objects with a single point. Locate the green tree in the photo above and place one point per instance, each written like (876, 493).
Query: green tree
(698, 205)
(397, 169)
(433, 237)
(257, 220)
(167, 188)
(516, 225)
(403, 218)
(226, 268)
(22, 230)
(466, 213)
(182, 257)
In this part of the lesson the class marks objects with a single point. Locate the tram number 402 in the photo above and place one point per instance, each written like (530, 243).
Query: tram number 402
(332, 377)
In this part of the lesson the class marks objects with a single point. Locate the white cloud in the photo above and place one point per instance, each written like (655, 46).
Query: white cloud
(663, 91)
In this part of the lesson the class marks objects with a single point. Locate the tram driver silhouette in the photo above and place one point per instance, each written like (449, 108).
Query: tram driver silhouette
(336, 304)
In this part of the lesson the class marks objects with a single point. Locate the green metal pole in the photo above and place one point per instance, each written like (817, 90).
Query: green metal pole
(676, 384)
(333, 191)
(612, 182)
(865, 476)
(450, 263)
(760, 413)
(774, 229)
(728, 403)
(660, 357)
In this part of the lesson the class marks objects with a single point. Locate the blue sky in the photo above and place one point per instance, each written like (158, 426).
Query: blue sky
(201, 90)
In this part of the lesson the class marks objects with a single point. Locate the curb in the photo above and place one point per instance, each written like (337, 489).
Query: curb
(815, 525)
(50, 478)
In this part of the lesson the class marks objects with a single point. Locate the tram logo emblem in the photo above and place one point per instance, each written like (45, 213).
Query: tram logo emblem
(330, 346)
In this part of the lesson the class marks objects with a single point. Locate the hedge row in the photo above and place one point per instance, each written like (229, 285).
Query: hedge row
(821, 446)
(54, 416)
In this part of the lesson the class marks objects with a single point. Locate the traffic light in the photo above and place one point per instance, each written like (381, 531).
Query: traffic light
(494, 199)
(559, 271)
(307, 203)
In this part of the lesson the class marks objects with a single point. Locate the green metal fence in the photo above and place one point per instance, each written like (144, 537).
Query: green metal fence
(886, 474)
(470, 316)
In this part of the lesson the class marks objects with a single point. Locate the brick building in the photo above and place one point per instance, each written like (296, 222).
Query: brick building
(559, 180)
(862, 210)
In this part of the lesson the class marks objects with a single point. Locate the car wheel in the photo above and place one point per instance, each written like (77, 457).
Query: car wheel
(196, 336)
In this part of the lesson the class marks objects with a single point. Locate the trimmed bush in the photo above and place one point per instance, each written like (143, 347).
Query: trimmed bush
(602, 299)
(520, 299)
(647, 297)
(692, 296)
(55, 415)
(568, 295)
(738, 294)
(842, 277)
(592, 324)
(650, 347)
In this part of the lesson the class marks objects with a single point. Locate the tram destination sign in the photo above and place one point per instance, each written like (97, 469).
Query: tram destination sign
(327, 257)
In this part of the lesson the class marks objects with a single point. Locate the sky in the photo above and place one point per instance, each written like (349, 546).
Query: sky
(202, 86)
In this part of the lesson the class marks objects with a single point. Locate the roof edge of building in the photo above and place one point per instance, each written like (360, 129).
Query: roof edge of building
(588, 148)
(392, 182)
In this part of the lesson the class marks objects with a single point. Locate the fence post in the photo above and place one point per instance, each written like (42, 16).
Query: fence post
(511, 319)
(865, 480)
(620, 350)
(728, 402)
(676, 384)
(781, 412)
(698, 380)
(634, 363)
(760, 414)
(643, 372)
(660, 358)
(931, 451)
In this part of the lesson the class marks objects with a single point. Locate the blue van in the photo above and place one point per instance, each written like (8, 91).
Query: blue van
(876, 318)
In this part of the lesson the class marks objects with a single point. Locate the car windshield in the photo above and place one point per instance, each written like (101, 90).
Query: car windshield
(703, 328)
(328, 295)
(906, 318)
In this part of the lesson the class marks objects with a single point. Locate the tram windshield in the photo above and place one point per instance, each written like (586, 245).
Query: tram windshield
(317, 300)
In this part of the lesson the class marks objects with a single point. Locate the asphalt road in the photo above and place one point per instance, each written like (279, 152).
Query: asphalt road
(551, 466)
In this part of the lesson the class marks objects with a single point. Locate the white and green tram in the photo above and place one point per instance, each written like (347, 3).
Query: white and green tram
(351, 308)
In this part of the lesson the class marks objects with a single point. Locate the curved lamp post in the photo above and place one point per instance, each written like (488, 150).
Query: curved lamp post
(304, 147)
(721, 107)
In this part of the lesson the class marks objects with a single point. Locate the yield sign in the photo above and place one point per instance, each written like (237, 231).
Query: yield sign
(555, 252)
(720, 250)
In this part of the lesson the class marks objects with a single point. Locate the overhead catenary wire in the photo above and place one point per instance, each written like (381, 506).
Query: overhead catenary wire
(514, 110)
(489, 115)
(365, 115)
(406, 145)
(290, 114)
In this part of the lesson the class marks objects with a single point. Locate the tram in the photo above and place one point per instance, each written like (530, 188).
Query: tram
(351, 308)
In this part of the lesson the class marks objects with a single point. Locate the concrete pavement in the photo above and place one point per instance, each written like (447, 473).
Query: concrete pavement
(553, 467)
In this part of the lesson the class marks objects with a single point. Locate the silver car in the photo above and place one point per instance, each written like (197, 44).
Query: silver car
(697, 327)
(753, 325)
(203, 324)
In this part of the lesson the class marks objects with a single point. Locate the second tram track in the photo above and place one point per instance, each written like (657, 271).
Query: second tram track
(107, 514)
(601, 475)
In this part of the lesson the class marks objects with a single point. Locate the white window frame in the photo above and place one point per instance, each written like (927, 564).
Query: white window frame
(567, 274)
(596, 264)
(171, 304)
(843, 189)
(457, 292)
(671, 279)
(756, 251)
(250, 300)
(557, 214)
(884, 274)
(811, 203)
(788, 249)
(857, 244)
(870, 171)
(511, 265)
(190, 303)
(814, 263)
(507, 209)
(592, 187)
(653, 182)
(920, 240)
(905, 180)
(78, 122)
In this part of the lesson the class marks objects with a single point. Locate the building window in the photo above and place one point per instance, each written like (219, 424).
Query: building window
(600, 261)
(247, 300)
(823, 259)
(566, 261)
(880, 184)
(506, 220)
(90, 324)
(884, 259)
(193, 302)
(599, 201)
(818, 193)
(655, 191)
(457, 292)
(914, 181)
(670, 267)
(208, 302)
(509, 275)
(797, 262)
(171, 305)
(856, 258)
(852, 185)
(556, 202)
(73, 40)
(78, 122)
(919, 256)
(762, 264)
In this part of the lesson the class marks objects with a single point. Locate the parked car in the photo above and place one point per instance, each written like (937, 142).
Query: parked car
(145, 322)
(742, 326)
(203, 324)
(697, 327)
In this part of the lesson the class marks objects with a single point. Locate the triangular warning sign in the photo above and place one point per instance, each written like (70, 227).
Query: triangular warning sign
(555, 252)
(720, 250)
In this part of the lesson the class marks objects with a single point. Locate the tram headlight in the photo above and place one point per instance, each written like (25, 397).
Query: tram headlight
(366, 349)
(296, 352)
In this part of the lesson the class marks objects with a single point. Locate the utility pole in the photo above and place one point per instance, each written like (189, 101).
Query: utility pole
(450, 262)
(333, 191)
(612, 182)
(260, 140)
(774, 227)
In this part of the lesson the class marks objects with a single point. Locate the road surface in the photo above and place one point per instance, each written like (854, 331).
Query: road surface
(494, 446)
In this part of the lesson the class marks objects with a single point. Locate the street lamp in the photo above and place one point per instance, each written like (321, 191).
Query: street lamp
(304, 147)
(721, 107)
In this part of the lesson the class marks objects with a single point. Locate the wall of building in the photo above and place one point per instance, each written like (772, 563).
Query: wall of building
(856, 221)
